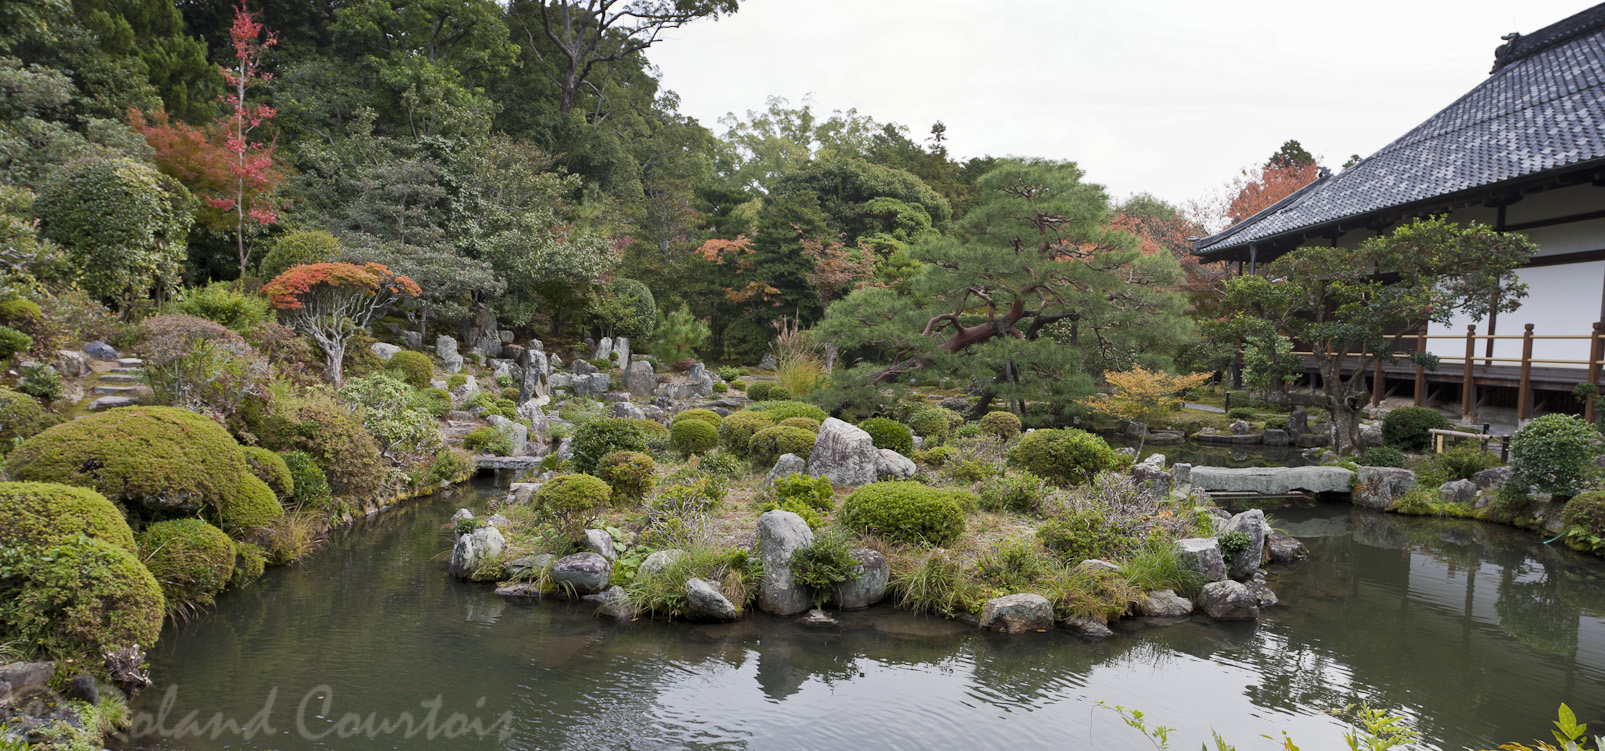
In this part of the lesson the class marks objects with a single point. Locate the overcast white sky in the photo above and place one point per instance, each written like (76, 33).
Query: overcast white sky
(1168, 97)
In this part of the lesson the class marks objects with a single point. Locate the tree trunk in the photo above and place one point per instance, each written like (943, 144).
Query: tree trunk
(1345, 427)
(336, 355)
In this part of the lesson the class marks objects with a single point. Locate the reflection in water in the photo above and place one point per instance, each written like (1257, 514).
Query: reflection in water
(1475, 632)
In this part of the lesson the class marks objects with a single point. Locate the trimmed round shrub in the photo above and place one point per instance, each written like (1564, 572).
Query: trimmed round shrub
(766, 391)
(1001, 425)
(693, 437)
(191, 560)
(456, 379)
(1065, 457)
(249, 563)
(739, 386)
(905, 512)
(738, 429)
(806, 423)
(1084, 534)
(783, 410)
(271, 469)
(813, 492)
(252, 509)
(160, 460)
(40, 515)
(296, 249)
(657, 434)
(706, 415)
(570, 502)
(746, 340)
(770, 444)
(21, 417)
(437, 402)
(1555, 454)
(889, 434)
(629, 474)
(488, 440)
(1241, 413)
(323, 426)
(598, 438)
(309, 488)
(20, 310)
(1382, 456)
(1586, 510)
(77, 601)
(1406, 427)
(223, 303)
(412, 367)
(937, 423)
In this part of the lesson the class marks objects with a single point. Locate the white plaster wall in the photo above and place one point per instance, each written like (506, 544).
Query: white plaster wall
(1560, 300)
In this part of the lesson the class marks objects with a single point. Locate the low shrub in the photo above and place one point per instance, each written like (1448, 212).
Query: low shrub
(1555, 454)
(191, 560)
(40, 380)
(435, 402)
(319, 423)
(1241, 413)
(309, 488)
(813, 492)
(739, 386)
(770, 444)
(199, 364)
(766, 391)
(657, 436)
(720, 387)
(1022, 494)
(1382, 456)
(413, 367)
(271, 469)
(737, 430)
(889, 434)
(297, 249)
(450, 465)
(935, 424)
(601, 437)
(823, 563)
(569, 503)
(729, 374)
(13, 342)
(706, 415)
(1081, 534)
(806, 423)
(225, 304)
(1011, 566)
(37, 515)
(1406, 428)
(936, 456)
(456, 379)
(404, 434)
(21, 417)
(782, 410)
(1234, 542)
(1066, 457)
(693, 436)
(250, 510)
(1001, 425)
(488, 440)
(77, 601)
(629, 474)
(905, 511)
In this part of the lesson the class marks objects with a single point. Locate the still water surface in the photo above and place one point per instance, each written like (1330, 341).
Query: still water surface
(1475, 632)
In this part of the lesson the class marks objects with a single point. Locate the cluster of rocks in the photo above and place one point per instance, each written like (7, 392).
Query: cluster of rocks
(1297, 433)
(847, 455)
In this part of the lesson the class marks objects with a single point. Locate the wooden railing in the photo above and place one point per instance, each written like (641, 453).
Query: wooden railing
(1524, 390)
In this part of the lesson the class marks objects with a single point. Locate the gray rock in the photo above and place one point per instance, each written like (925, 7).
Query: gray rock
(83, 688)
(520, 493)
(780, 533)
(506, 337)
(845, 454)
(1164, 603)
(1202, 554)
(895, 466)
(1492, 478)
(383, 350)
(1229, 601)
(1379, 487)
(556, 361)
(1275, 437)
(561, 381)
(1086, 628)
(445, 347)
(704, 602)
(956, 403)
(659, 561)
(101, 351)
(786, 465)
(621, 351)
(1298, 423)
(768, 362)
(604, 349)
(601, 543)
(1283, 549)
(1272, 480)
(612, 602)
(593, 384)
(516, 432)
(25, 680)
(463, 391)
(460, 515)
(1153, 477)
(537, 374)
(1371, 434)
(1240, 427)
(583, 367)
(1097, 565)
(639, 379)
(1253, 524)
(1181, 473)
(867, 584)
(1017, 614)
(699, 380)
(71, 364)
(452, 363)
(112, 402)
(1309, 440)
(817, 617)
(582, 573)
(473, 549)
(1263, 596)
(1458, 491)
(412, 340)
(628, 410)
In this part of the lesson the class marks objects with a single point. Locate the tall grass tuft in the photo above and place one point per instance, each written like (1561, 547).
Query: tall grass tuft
(800, 361)
(1157, 566)
(662, 592)
(934, 583)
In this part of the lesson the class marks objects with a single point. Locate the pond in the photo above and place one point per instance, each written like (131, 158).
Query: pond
(1475, 632)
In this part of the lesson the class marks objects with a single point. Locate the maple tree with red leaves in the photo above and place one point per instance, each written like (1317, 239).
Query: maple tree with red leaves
(332, 302)
(219, 162)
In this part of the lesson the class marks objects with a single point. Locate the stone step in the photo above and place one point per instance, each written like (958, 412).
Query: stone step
(129, 371)
(111, 402)
(129, 362)
(464, 424)
(119, 378)
(116, 390)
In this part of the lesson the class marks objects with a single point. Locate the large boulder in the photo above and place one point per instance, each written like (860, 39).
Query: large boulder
(779, 534)
(1087, 628)
(867, 584)
(1275, 437)
(1229, 601)
(1202, 555)
(844, 453)
(1493, 477)
(516, 432)
(612, 602)
(601, 543)
(1017, 614)
(1371, 434)
(704, 602)
(1283, 549)
(1272, 480)
(1379, 487)
(1164, 603)
(699, 380)
(639, 379)
(445, 347)
(1298, 423)
(1152, 476)
(101, 351)
(604, 350)
(1253, 524)
(1458, 491)
(537, 372)
(383, 350)
(473, 549)
(659, 561)
(895, 466)
(582, 573)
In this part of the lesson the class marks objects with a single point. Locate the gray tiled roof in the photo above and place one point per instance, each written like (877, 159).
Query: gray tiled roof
(1543, 108)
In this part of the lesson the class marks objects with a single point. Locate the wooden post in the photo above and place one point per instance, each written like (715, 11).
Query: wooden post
(1524, 395)
(1421, 371)
(1467, 385)
(1377, 383)
(1596, 350)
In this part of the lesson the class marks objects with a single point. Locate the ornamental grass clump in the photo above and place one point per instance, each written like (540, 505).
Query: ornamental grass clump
(933, 582)
(732, 571)
(903, 511)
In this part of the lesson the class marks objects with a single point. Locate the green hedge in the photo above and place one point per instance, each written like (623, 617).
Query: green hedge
(906, 512)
